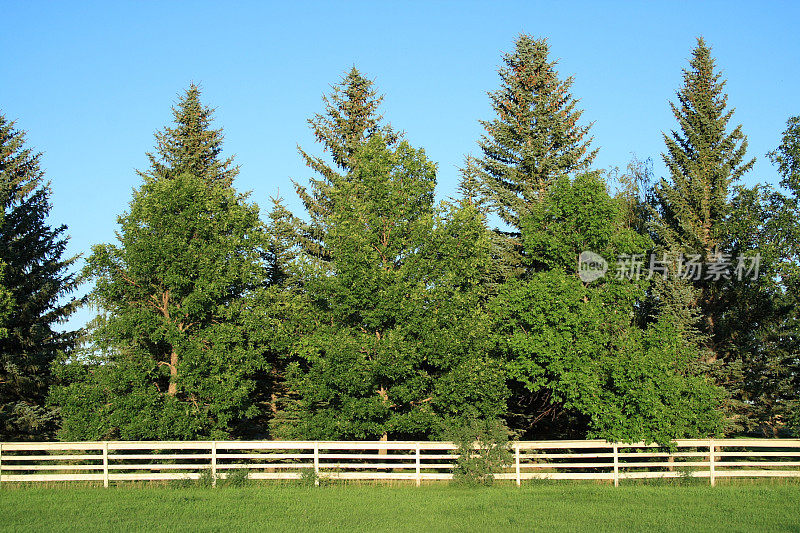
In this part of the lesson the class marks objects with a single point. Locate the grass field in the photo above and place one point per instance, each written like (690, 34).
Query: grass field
(541, 507)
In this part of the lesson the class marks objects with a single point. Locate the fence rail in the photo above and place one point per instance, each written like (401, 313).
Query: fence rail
(114, 461)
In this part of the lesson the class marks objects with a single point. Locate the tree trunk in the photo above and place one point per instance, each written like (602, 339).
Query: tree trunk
(384, 438)
(173, 373)
(385, 397)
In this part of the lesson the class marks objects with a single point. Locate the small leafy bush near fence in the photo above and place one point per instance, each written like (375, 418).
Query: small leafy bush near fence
(482, 450)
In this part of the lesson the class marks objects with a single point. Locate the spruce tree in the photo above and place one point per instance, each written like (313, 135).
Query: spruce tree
(37, 284)
(767, 317)
(191, 146)
(350, 119)
(394, 346)
(704, 158)
(178, 349)
(694, 216)
(535, 138)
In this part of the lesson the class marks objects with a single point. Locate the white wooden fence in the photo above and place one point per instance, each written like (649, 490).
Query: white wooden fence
(410, 461)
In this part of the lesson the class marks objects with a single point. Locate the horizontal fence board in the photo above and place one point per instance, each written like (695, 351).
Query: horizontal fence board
(159, 445)
(267, 456)
(566, 465)
(758, 473)
(648, 455)
(759, 443)
(266, 466)
(10, 468)
(58, 446)
(265, 445)
(596, 460)
(666, 464)
(384, 457)
(160, 467)
(144, 456)
(757, 454)
(154, 476)
(50, 477)
(523, 456)
(8, 457)
(271, 475)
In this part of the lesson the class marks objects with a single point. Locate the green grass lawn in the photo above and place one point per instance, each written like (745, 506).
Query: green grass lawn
(541, 507)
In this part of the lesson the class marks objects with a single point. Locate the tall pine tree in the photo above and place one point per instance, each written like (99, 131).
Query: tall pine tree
(179, 347)
(350, 119)
(703, 158)
(535, 139)
(395, 341)
(694, 217)
(37, 283)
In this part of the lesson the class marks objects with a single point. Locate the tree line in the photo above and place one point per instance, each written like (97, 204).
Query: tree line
(380, 313)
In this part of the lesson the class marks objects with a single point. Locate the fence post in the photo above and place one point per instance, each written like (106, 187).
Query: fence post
(616, 465)
(316, 462)
(105, 464)
(516, 463)
(711, 476)
(1, 464)
(418, 465)
(214, 463)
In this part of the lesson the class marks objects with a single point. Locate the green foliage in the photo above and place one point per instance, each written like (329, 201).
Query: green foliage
(176, 350)
(761, 317)
(694, 214)
(575, 346)
(6, 303)
(350, 120)
(396, 337)
(35, 288)
(206, 479)
(310, 478)
(534, 140)
(237, 478)
(703, 160)
(191, 146)
(482, 449)
(180, 343)
(387, 315)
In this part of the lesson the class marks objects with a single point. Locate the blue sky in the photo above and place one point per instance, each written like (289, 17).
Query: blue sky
(92, 82)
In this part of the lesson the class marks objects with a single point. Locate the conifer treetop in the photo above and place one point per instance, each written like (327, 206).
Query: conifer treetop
(191, 146)
(702, 157)
(536, 136)
(350, 120)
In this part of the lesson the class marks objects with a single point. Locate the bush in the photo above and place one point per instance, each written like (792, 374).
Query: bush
(482, 449)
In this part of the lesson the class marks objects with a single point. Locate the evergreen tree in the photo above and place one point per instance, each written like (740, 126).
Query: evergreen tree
(5, 304)
(350, 119)
(179, 347)
(191, 146)
(395, 341)
(36, 283)
(694, 216)
(535, 139)
(703, 158)
(764, 315)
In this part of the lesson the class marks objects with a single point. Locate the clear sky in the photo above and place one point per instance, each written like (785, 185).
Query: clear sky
(91, 82)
